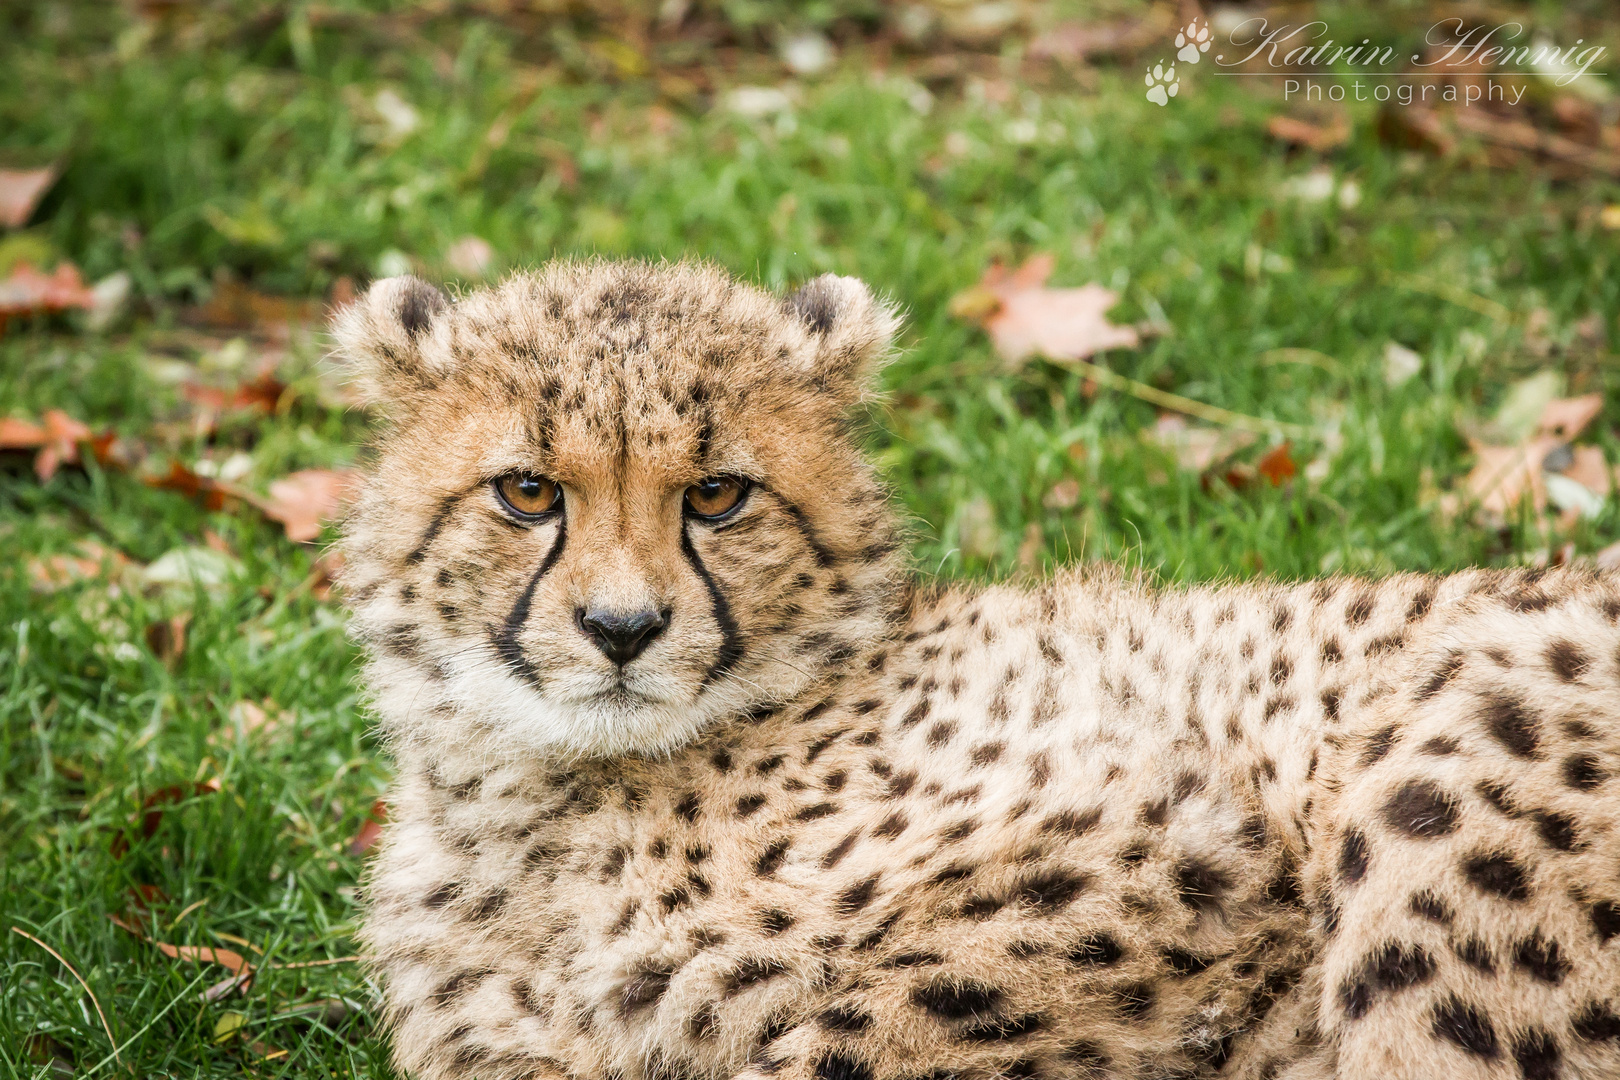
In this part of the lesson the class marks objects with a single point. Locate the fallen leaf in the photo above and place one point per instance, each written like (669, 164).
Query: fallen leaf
(1590, 469)
(1060, 324)
(301, 501)
(1277, 465)
(370, 830)
(1566, 418)
(87, 560)
(27, 291)
(1303, 133)
(1504, 476)
(191, 565)
(20, 192)
(263, 393)
(1197, 449)
(166, 638)
(241, 976)
(228, 1024)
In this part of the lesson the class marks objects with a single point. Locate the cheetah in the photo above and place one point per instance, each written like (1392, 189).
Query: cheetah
(695, 780)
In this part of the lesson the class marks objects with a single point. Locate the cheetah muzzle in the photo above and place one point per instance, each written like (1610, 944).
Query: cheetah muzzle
(695, 780)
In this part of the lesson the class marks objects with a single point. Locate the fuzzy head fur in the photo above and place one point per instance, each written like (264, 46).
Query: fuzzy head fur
(625, 384)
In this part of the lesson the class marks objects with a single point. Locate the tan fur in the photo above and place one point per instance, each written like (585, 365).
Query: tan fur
(832, 824)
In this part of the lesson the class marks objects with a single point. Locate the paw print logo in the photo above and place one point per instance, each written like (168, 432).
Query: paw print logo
(1191, 40)
(1162, 84)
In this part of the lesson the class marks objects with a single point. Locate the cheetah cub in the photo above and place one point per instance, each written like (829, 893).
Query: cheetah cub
(697, 782)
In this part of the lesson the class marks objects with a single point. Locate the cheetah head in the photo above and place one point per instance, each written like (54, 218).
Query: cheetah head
(612, 503)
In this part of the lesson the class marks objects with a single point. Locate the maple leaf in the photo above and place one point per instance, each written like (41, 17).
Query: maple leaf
(301, 501)
(1023, 316)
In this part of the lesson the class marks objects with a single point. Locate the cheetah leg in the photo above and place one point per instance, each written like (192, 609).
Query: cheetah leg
(1465, 872)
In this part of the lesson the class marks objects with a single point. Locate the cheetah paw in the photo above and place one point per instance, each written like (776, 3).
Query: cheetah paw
(1162, 84)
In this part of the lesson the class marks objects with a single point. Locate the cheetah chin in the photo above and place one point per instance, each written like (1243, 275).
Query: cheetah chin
(697, 781)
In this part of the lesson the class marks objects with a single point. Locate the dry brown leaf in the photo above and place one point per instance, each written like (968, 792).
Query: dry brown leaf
(1073, 42)
(263, 392)
(301, 501)
(88, 560)
(166, 638)
(1503, 476)
(20, 192)
(241, 976)
(1566, 418)
(1316, 137)
(370, 830)
(1590, 469)
(1060, 324)
(1197, 449)
(27, 291)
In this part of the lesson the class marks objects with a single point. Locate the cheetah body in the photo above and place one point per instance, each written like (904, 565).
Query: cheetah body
(852, 828)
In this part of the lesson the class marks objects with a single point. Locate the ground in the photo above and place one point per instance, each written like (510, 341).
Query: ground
(268, 155)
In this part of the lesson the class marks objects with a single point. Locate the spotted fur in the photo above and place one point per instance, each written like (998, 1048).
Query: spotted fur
(837, 824)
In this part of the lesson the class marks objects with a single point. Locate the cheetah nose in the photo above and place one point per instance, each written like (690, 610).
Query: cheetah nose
(621, 637)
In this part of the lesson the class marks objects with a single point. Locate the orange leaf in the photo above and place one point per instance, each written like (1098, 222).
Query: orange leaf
(1277, 465)
(302, 500)
(370, 831)
(21, 435)
(28, 290)
(229, 959)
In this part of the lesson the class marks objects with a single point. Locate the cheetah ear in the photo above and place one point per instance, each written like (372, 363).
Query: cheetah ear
(383, 338)
(849, 332)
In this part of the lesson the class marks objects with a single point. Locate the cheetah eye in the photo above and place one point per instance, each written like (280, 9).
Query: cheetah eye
(715, 497)
(528, 496)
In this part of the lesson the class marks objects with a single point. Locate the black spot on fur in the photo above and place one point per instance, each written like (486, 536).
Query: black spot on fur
(1134, 1000)
(1598, 1023)
(1606, 919)
(1440, 746)
(1100, 949)
(1476, 954)
(1003, 1028)
(1465, 1026)
(1353, 856)
(1050, 891)
(857, 896)
(818, 810)
(1420, 808)
(1200, 885)
(1537, 1055)
(1498, 796)
(748, 804)
(1378, 744)
(418, 305)
(845, 1018)
(1541, 958)
(1583, 771)
(644, 990)
(1072, 823)
(1511, 724)
(689, 806)
(912, 959)
(752, 972)
(1440, 677)
(956, 999)
(1567, 660)
(1086, 1054)
(1186, 963)
(771, 858)
(487, 908)
(840, 1066)
(1429, 906)
(442, 895)
(774, 921)
(1497, 873)
(1557, 830)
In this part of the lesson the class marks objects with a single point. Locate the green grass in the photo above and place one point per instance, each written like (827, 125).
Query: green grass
(252, 150)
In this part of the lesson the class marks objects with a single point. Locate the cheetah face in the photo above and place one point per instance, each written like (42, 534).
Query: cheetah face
(613, 503)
